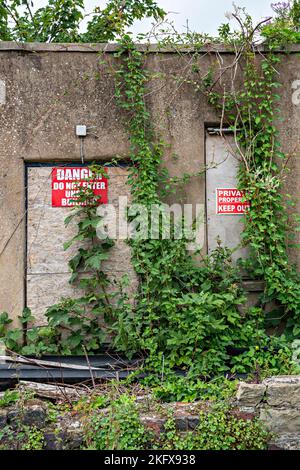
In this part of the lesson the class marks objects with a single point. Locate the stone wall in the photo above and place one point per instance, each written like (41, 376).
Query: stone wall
(276, 401)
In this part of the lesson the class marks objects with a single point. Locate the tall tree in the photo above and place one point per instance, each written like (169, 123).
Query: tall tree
(119, 14)
(59, 20)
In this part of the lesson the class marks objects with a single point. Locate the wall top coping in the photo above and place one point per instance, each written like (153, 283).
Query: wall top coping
(111, 47)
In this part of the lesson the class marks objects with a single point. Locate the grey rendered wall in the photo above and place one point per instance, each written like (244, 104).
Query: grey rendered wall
(51, 88)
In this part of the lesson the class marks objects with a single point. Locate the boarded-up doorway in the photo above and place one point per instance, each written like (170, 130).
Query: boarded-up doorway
(47, 272)
(221, 174)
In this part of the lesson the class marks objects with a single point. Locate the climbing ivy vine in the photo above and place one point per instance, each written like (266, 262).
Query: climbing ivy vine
(187, 315)
(253, 109)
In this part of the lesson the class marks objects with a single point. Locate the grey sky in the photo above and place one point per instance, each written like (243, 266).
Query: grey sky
(202, 15)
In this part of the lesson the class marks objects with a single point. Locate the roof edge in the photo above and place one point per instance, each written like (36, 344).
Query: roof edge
(112, 47)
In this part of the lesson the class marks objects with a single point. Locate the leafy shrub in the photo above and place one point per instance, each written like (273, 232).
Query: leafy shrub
(119, 429)
(9, 398)
(21, 438)
(217, 430)
(183, 389)
(284, 28)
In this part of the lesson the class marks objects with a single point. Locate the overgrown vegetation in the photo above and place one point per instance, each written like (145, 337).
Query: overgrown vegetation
(120, 428)
(218, 429)
(188, 316)
(23, 438)
(59, 20)
(284, 28)
(113, 417)
(253, 109)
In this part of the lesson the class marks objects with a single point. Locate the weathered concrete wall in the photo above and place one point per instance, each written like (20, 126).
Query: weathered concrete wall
(47, 89)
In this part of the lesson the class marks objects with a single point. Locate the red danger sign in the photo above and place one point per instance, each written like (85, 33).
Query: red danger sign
(229, 201)
(65, 183)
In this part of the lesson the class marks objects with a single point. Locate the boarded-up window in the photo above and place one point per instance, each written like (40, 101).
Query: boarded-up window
(47, 263)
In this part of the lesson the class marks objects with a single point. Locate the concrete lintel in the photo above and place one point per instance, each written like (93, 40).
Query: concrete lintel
(112, 47)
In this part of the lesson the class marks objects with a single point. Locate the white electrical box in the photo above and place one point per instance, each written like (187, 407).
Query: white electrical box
(81, 131)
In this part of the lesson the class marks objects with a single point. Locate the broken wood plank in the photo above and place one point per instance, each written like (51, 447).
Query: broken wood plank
(41, 363)
(54, 392)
